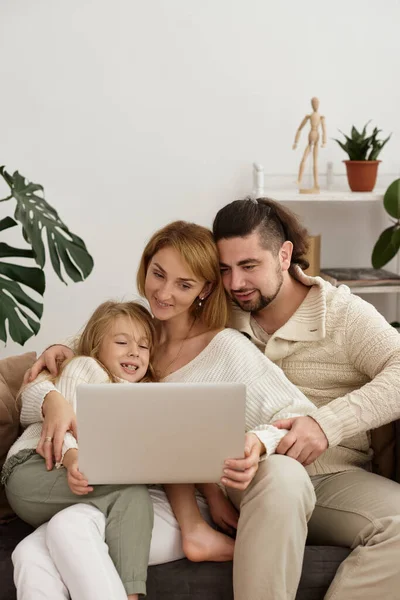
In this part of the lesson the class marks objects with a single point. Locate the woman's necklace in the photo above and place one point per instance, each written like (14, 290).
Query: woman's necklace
(164, 373)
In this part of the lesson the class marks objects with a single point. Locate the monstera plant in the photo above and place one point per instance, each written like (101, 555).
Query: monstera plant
(45, 233)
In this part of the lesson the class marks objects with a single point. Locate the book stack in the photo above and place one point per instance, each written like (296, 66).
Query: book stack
(360, 277)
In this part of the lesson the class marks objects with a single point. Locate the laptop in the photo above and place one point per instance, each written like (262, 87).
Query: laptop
(159, 432)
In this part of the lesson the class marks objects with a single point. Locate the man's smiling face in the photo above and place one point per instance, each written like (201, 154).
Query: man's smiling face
(252, 275)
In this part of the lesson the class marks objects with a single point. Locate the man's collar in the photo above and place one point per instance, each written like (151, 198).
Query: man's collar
(307, 324)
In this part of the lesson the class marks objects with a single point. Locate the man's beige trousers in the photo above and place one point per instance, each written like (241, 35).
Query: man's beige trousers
(355, 509)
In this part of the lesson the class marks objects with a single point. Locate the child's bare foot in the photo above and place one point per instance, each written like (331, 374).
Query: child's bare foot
(202, 543)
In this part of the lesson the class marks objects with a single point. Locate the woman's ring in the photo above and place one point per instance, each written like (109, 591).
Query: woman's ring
(48, 439)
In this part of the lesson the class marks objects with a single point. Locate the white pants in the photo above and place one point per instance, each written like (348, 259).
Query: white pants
(68, 557)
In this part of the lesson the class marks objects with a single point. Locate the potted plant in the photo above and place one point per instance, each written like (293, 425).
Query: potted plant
(363, 151)
(388, 243)
(67, 252)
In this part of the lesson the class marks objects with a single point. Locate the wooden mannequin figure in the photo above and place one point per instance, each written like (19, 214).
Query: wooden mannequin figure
(316, 121)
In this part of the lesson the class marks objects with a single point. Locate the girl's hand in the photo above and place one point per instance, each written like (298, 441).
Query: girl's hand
(239, 473)
(59, 417)
(50, 360)
(76, 480)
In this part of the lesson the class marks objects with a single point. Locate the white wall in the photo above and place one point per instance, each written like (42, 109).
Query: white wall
(132, 114)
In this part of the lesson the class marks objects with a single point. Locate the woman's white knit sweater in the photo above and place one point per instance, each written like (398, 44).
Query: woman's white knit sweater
(228, 358)
(231, 358)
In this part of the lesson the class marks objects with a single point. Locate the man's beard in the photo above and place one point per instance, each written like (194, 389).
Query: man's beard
(260, 301)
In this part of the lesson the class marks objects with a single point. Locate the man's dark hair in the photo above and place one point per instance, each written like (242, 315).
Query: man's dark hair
(275, 224)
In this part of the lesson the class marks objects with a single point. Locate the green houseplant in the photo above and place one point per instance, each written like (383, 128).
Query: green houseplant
(68, 256)
(388, 243)
(363, 151)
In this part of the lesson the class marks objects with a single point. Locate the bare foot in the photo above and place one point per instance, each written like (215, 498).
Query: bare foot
(203, 543)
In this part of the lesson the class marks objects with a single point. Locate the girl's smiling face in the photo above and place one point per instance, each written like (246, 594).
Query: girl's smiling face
(124, 350)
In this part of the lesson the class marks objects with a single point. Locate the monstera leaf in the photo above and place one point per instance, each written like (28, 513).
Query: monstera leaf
(36, 215)
(13, 300)
(66, 249)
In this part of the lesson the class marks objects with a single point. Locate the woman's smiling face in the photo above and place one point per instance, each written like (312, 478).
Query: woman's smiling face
(170, 286)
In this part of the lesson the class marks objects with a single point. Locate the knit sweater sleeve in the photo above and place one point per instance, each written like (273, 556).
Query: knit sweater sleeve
(373, 348)
(271, 396)
(33, 396)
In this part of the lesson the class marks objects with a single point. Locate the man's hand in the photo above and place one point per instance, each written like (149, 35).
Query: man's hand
(59, 417)
(50, 360)
(76, 480)
(305, 440)
(239, 473)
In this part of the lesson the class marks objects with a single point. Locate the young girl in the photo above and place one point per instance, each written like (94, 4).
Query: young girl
(115, 347)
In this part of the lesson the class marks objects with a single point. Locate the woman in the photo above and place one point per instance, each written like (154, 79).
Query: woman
(179, 275)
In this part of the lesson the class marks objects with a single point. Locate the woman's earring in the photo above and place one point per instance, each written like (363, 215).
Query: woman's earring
(200, 303)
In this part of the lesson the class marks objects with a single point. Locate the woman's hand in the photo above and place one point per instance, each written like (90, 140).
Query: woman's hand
(50, 360)
(222, 511)
(59, 417)
(76, 480)
(239, 473)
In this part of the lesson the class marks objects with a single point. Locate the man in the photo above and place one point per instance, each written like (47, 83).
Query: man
(346, 358)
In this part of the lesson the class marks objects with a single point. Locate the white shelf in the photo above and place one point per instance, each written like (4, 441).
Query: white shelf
(376, 289)
(293, 195)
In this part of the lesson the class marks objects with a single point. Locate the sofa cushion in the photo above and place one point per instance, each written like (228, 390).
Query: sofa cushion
(12, 371)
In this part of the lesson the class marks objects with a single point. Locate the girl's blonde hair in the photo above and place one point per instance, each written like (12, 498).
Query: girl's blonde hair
(89, 341)
(196, 246)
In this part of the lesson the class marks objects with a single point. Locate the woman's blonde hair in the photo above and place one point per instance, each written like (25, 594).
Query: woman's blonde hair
(196, 246)
(89, 341)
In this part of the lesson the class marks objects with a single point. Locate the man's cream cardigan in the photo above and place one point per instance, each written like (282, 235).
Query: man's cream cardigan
(345, 357)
